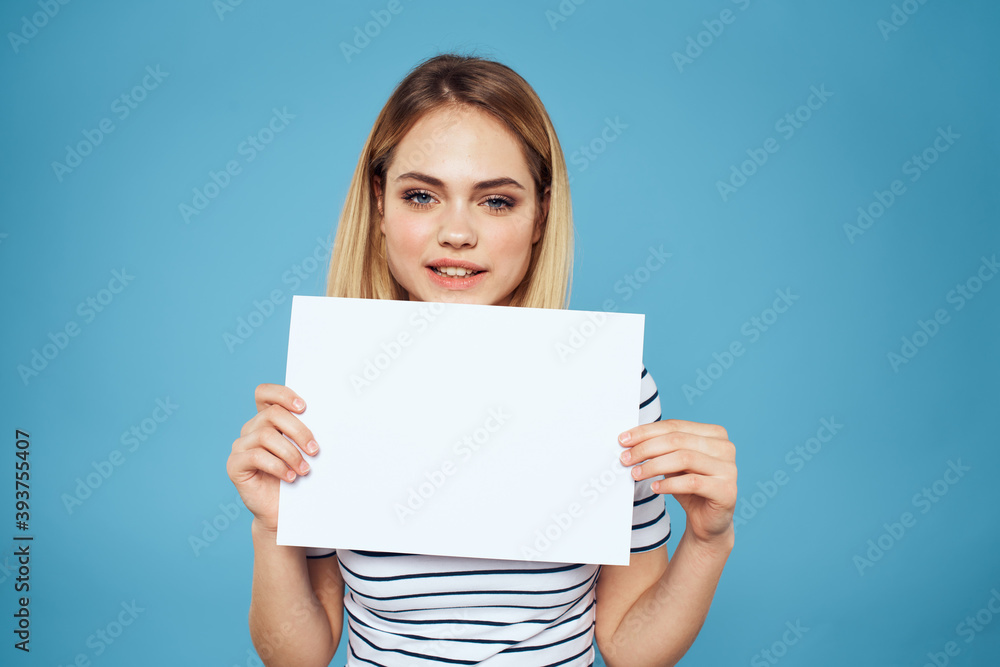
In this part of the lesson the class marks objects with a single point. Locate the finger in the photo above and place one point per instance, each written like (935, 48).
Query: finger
(683, 461)
(278, 394)
(710, 488)
(639, 433)
(244, 465)
(278, 418)
(673, 441)
(278, 445)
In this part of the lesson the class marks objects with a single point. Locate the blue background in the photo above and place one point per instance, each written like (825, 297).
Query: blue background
(687, 125)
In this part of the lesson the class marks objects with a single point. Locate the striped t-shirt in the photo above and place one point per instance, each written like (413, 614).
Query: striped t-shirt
(405, 609)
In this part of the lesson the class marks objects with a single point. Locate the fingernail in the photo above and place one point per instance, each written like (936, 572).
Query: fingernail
(290, 475)
(304, 468)
(312, 447)
(637, 472)
(626, 457)
(298, 404)
(624, 437)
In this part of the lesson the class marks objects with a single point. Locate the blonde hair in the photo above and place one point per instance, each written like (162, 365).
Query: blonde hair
(358, 267)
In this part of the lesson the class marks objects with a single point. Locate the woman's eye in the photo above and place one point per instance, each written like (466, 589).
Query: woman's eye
(416, 198)
(499, 203)
(423, 199)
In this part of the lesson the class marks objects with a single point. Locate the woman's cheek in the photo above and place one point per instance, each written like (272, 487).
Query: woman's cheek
(405, 238)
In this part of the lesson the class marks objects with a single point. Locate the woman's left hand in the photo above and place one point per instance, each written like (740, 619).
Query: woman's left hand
(699, 465)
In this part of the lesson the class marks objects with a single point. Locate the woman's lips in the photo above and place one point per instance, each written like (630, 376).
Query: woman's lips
(445, 262)
(454, 282)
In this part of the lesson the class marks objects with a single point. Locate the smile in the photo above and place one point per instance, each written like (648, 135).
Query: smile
(454, 271)
(454, 277)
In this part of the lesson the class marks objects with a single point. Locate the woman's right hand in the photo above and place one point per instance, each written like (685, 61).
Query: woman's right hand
(262, 454)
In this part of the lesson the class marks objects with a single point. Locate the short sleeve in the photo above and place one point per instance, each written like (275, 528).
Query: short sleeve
(650, 521)
(319, 552)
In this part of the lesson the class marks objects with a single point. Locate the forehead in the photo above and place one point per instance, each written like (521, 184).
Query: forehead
(459, 145)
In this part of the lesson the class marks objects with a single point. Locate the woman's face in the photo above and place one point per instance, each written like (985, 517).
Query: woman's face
(458, 210)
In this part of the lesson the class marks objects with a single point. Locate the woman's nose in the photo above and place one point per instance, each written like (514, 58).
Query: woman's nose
(456, 228)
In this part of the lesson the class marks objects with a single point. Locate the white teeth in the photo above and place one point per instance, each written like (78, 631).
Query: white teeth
(457, 271)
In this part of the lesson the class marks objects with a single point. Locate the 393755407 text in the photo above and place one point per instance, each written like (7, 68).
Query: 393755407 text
(22, 540)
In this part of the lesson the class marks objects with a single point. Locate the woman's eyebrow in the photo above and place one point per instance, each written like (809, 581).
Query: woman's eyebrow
(481, 185)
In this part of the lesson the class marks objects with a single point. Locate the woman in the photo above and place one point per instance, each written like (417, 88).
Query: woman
(461, 195)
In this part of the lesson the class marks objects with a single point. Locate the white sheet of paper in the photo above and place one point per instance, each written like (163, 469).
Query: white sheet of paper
(463, 430)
